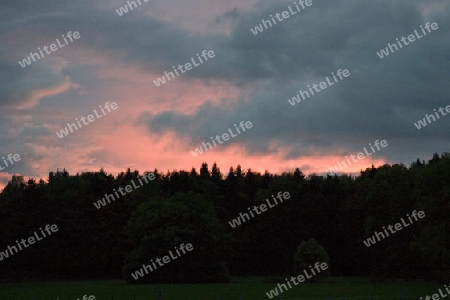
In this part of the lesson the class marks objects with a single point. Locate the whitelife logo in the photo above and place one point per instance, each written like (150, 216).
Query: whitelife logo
(360, 156)
(323, 85)
(65, 132)
(166, 259)
(85, 297)
(423, 123)
(16, 158)
(162, 80)
(300, 279)
(27, 61)
(53, 228)
(436, 296)
(124, 9)
(285, 14)
(225, 136)
(411, 38)
(263, 207)
(398, 227)
(128, 189)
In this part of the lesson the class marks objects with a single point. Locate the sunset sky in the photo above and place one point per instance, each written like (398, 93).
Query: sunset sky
(251, 78)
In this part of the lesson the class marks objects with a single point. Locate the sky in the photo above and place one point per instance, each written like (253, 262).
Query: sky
(118, 58)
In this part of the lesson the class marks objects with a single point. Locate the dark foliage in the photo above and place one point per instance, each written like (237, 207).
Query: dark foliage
(339, 212)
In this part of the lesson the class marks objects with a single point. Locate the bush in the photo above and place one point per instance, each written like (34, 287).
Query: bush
(307, 254)
(158, 226)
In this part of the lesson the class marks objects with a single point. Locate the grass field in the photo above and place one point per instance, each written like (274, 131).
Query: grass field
(252, 290)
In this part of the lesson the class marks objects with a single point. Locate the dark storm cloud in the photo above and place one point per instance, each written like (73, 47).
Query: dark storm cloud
(133, 38)
(380, 100)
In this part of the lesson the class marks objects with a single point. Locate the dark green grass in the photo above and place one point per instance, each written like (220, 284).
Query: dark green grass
(254, 289)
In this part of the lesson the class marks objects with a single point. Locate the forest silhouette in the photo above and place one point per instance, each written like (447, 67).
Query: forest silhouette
(338, 211)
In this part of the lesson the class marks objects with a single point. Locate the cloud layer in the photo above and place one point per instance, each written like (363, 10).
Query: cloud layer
(251, 78)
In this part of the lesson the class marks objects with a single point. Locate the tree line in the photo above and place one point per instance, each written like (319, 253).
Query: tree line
(337, 211)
